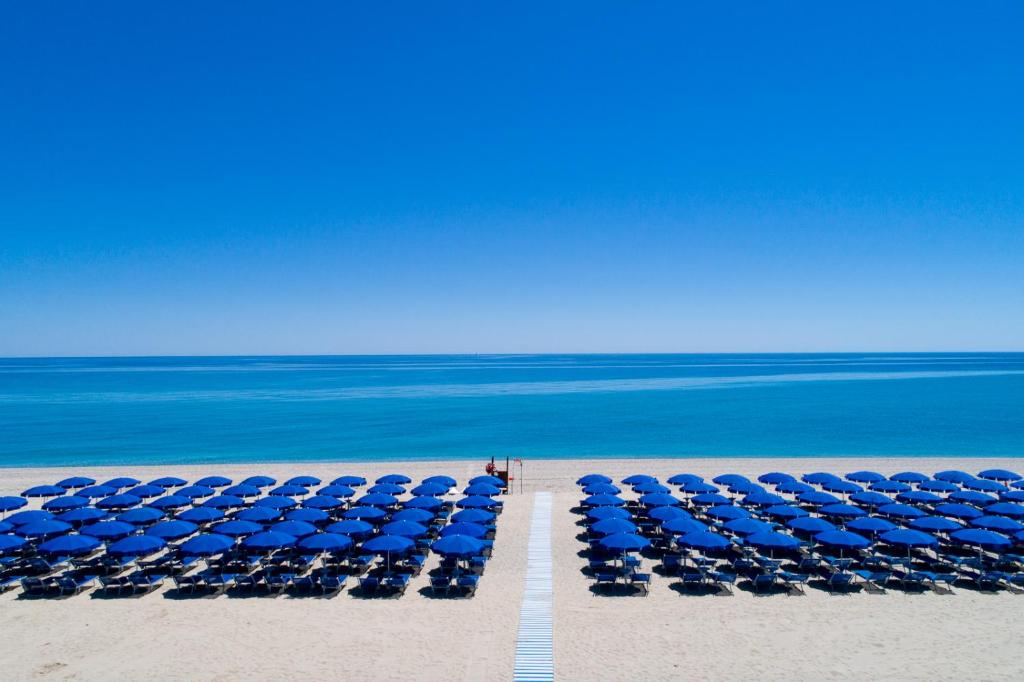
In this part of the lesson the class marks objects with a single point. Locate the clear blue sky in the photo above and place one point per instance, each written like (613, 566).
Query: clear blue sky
(217, 178)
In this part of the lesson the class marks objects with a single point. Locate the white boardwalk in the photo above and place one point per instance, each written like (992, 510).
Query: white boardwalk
(535, 661)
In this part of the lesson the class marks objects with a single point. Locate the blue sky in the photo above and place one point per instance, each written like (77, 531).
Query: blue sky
(379, 178)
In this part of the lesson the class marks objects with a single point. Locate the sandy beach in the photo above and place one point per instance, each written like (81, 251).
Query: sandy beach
(662, 636)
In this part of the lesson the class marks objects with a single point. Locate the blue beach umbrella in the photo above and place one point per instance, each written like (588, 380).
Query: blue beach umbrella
(599, 513)
(954, 476)
(819, 477)
(81, 482)
(747, 526)
(308, 515)
(710, 500)
(763, 499)
(387, 489)
(447, 481)
(911, 477)
(785, 512)
(141, 516)
(776, 478)
(794, 487)
(29, 516)
(476, 502)
(661, 513)
(460, 546)
(997, 523)
(699, 488)
(843, 511)
(591, 479)
(985, 486)
(71, 544)
(122, 482)
(7, 527)
(957, 511)
(206, 544)
(490, 480)
(623, 542)
(730, 479)
(42, 529)
(918, 497)
(425, 517)
(938, 487)
(659, 500)
(388, 544)
(377, 500)
(258, 514)
(168, 482)
(93, 491)
(327, 543)
(745, 488)
(726, 512)
(872, 525)
(482, 489)
(905, 537)
(297, 529)
(683, 479)
(260, 481)
(169, 502)
(411, 529)
(704, 541)
(972, 497)
(423, 502)
(991, 474)
(772, 541)
(351, 527)
(612, 526)
(224, 502)
(474, 530)
(350, 481)
(901, 511)
(400, 479)
(10, 544)
(108, 530)
(335, 490)
(870, 499)
(145, 491)
(290, 490)
(935, 524)
(82, 515)
(809, 525)
(44, 491)
(603, 501)
(63, 504)
(278, 502)
(199, 515)
(817, 498)
(119, 502)
(842, 539)
(322, 502)
(371, 513)
(1010, 509)
(10, 503)
(842, 487)
(242, 490)
(237, 528)
(172, 530)
(431, 489)
(268, 541)
(978, 537)
(683, 525)
(637, 479)
(890, 487)
(136, 546)
(644, 488)
(214, 481)
(865, 476)
(304, 481)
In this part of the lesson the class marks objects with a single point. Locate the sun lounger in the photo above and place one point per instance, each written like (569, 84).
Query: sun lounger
(875, 579)
(840, 580)
(397, 582)
(793, 581)
(764, 581)
(369, 583)
(440, 583)
(468, 583)
(9, 581)
(146, 582)
(722, 580)
(641, 581)
(75, 584)
(39, 587)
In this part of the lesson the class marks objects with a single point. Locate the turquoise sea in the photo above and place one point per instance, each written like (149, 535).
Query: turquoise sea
(83, 411)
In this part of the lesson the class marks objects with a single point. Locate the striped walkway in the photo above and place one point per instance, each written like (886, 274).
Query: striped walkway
(535, 661)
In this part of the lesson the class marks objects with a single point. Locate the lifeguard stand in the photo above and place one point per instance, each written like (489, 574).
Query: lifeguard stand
(504, 474)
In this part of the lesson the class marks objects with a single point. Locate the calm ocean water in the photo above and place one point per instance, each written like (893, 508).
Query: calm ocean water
(175, 410)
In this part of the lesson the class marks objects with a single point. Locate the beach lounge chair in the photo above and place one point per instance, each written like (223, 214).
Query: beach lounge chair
(692, 578)
(641, 581)
(330, 584)
(38, 587)
(468, 583)
(398, 582)
(369, 583)
(143, 582)
(70, 585)
(606, 578)
(477, 564)
(793, 582)
(839, 581)
(278, 581)
(764, 581)
(874, 579)
(440, 583)
(9, 581)
(723, 580)
(115, 585)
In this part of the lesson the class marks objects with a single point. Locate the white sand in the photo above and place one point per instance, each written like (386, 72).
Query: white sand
(662, 636)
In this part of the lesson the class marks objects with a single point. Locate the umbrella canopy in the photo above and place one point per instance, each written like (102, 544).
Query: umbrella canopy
(473, 530)
(83, 515)
(268, 541)
(683, 479)
(92, 491)
(745, 488)
(276, 502)
(482, 489)
(865, 476)
(335, 490)
(43, 529)
(172, 530)
(168, 482)
(999, 523)
(352, 527)
(199, 515)
(704, 540)
(900, 511)
(592, 478)
(599, 513)
(425, 517)
(387, 489)
(330, 543)
(938, 486)
(603, 501)
(891, 487)
(122, 482)
(978, 537)
(819, 477)
(377, 500)
(224, 502)
(477, 502)
(44, 491)
(446, 481)
(422, 502)
(972, 497)
(350, 481)
(763, 499)
(957, 511)
(871, 525)
(842, 539)
(81, 482)
(794, 487)
(258, 514)
(909, 477)
(322, 502)
(699, 488)
(659, 500)
(725, 512)
(411, 529)
(290, 490)
(730, 479)
(991, 474)
(297, 529)
(637, 479)
(170, 502)
(29, 516)
(388, 544)
(935, 524)
(918, 497)
(623, 542)
(904, 537)
(649, 487)
(485, 478)
(260, 481)
(141, 516)
(458, 546)
(432, 489)
(1010, 509)
(62, 504)
(371, 513)
(985, 486)
(809, 524)
(710, 499)
(308, 515)
(473, 515)
(12, 543)
(747, 526)
(304, 481)
(237, 528)
(817, 498)
(842, 487)
(10, 503)
(136, 546)
(243, 490)
(71, 544)
(785, 511)
(954, 476)
(206, 544)
(612, 526)
(123, 501)
(214, 481)
(682, 525)
(772, 540)
(145, 491)
(775, 478)
(845, 511)
(400, 479)
(108, 530)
